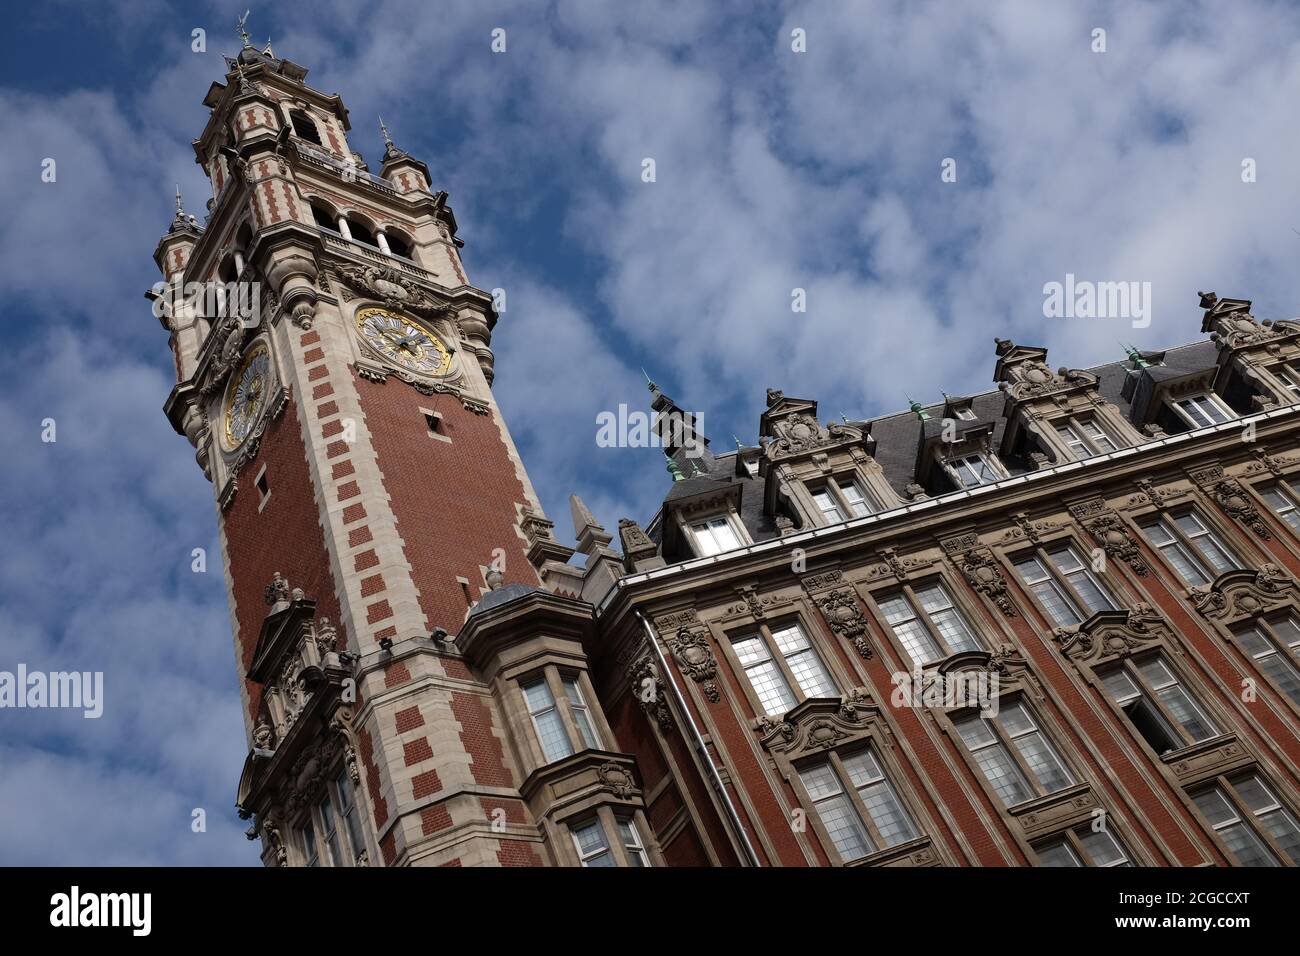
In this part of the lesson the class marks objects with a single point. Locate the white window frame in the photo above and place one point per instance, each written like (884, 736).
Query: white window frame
(1289, 509)
(855, 796)
(1149, 693)
(580, 711)
(1189, 545)
(1078, 850)
(1061, 583)
(1006, 741)
(553, 707)
(1196, 400)
(955, 463)
(704, 541)
(795, 690)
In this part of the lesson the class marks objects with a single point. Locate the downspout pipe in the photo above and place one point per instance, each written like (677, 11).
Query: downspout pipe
(697, 741)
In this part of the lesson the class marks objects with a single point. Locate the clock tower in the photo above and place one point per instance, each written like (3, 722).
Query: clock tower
(334, 373)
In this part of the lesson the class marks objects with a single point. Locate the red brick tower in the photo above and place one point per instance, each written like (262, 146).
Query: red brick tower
(368, 492)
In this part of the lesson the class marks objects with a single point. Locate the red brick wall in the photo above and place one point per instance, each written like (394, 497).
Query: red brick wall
(286, 536)
(454, 501)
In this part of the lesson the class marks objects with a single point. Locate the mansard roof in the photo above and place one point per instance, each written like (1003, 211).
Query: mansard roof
(899, 435)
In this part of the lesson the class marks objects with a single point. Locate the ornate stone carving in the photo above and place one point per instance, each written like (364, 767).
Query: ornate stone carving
(1231, 497)
(1243, 593)
(1110, 531)
(277, 592)
(1110, 634)
(616, 779)
(274, 842)
(892, 564)
(984, 574)
(394, 289)
(647, 687)
(228, 346)
(693, 655)
(843, 615)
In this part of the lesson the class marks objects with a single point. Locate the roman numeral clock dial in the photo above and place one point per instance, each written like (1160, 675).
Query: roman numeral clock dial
(404, 342)
(246, 396)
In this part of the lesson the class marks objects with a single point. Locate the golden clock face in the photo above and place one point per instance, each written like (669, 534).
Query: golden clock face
(405, 343)
(246, 395)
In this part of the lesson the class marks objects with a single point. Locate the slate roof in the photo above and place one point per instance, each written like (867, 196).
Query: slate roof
(898, 435)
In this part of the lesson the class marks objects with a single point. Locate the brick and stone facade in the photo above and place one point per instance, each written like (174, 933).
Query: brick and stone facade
(756, 674)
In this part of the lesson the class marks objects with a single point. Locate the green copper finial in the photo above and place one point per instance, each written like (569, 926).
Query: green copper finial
(917, 408)
(739, 445)
(1135, 356)
(673, 469)
(650, 384)
(844, 418)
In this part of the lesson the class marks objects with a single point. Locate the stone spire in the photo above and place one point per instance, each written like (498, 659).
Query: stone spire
(588, 532)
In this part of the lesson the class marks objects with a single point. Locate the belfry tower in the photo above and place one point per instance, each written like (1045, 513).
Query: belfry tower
(334, 378)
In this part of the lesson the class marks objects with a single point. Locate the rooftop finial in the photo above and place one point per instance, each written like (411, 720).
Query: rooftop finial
(180, 210)
(1135, 356)
(736, 439)
(388, 140)
(242, 28)
(673, 470)
(268, 51)
(917, 408)
(650, 384)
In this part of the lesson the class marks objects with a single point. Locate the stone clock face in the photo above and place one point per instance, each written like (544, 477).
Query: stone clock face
(404, 342)
(246, 395)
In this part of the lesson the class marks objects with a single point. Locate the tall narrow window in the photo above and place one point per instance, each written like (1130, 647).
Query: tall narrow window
(714, 536)
(1014, 755)
(330, 830)
(856, 804)
(593, 846)
(859, 505)
(1274, 646)
(1064, 585)
(349, 812)
(829, 508)
(777, 660)
(1283, 498)
(546, 721)
(633, 848)
(1191, 549)
(581, 713)
(595, 842)
(1256, 828)
(307, 842)
(1204, 409)
(1082, 846)
(927, 624)
(1158, 705)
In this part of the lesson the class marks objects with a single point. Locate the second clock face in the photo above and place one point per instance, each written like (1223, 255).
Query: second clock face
(247, 395)
(403, 342)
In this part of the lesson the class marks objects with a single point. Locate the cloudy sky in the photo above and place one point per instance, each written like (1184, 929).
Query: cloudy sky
(775, 170)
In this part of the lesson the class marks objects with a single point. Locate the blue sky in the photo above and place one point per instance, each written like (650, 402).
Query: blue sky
(775, 170)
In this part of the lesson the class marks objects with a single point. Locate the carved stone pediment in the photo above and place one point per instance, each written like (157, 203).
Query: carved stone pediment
(819, 723)
(1111, 635)
(754, 604)
(1056, 812)
(1034, 379)
(394, 289)
(1208, 758)
(801, 434)
(1242, 594)
(1111, 533)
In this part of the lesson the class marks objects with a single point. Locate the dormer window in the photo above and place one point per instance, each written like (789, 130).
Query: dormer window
(1203, 409)
(966, 414)
(973, 470)
(842, 499)
(714, 536)
(1290, 381)
(1085, 439)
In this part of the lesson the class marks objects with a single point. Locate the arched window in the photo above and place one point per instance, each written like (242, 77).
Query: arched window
(398, 245)
(324, 217)
(361, 232)
(305, 127)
